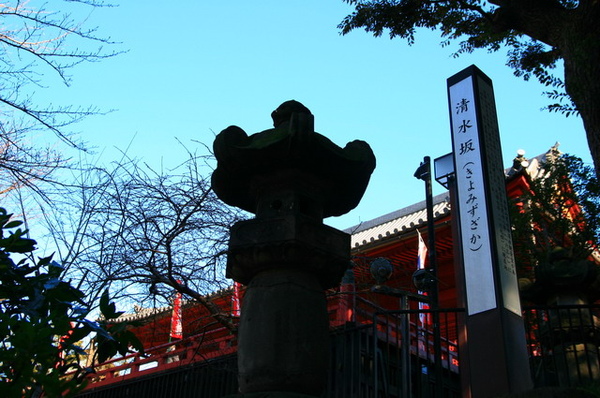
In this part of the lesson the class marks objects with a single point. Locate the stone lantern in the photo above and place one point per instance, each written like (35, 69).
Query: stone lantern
(291, 178)
(572, 334)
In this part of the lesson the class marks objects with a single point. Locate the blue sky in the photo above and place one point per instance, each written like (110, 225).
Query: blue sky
(195, 67)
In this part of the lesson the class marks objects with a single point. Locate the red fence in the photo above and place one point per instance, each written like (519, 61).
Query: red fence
(214, 344)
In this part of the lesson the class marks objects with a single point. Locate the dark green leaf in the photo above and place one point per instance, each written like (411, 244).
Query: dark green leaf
(13, 224)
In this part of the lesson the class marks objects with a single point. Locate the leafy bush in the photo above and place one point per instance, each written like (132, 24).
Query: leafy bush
(561, 210)
(43, 322)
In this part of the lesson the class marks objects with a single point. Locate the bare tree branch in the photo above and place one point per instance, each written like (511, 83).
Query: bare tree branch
(146, 233)
(36, 43)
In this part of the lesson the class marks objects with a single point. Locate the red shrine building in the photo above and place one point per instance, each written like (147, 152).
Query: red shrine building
(382, 342)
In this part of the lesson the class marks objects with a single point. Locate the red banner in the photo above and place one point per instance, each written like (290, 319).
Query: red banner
(176, 326)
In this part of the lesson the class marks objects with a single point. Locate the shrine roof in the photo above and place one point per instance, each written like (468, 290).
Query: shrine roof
(141, 313)
(403, 220)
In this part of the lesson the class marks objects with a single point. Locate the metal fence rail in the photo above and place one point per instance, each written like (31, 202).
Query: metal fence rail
(408, 364)
(367, 360)
(211, 379)
(394, 356)
(563, 344)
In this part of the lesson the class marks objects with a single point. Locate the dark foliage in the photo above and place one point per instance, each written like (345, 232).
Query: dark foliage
(43, 322)
(543, 38)
(561, 210)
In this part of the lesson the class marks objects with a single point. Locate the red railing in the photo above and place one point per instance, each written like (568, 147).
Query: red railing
(220, 342)
(198, 348)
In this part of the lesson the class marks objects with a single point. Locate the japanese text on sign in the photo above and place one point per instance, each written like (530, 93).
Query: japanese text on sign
(475, 238)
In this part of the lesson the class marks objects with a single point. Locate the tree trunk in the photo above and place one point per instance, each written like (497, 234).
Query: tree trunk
(580, 47)
(582, 83)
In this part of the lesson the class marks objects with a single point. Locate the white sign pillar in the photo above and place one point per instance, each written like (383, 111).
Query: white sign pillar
(494, 352)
